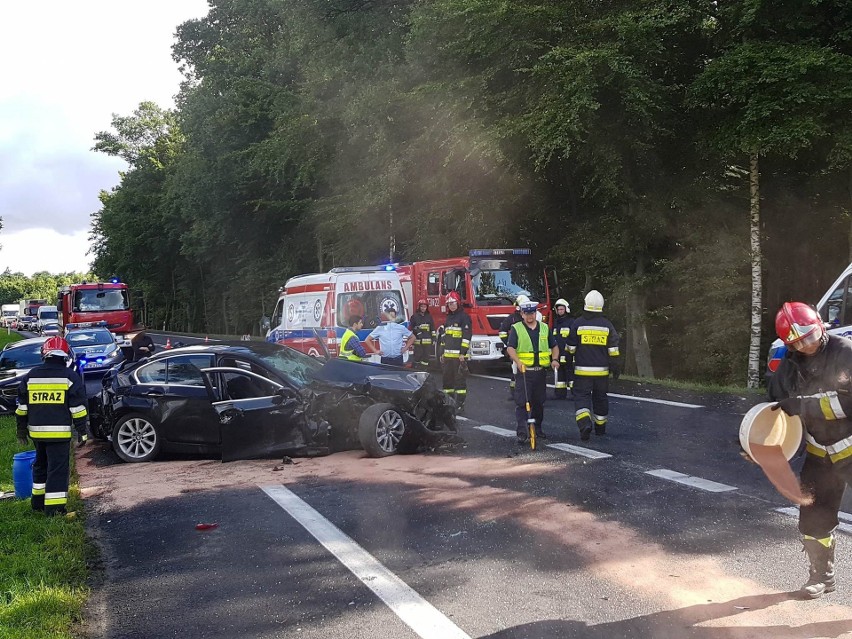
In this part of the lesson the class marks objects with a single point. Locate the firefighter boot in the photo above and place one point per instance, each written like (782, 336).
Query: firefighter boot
(821, 557)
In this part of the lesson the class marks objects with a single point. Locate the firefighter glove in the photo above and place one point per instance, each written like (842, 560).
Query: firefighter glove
(82, 439)
(615, 370)
(790, 405)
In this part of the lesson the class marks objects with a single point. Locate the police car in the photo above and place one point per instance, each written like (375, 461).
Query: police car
(95, 348)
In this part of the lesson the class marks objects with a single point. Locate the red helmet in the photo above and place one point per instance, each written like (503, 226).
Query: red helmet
(55, 347)
(453, 297)
(422, 302)
(798, 325)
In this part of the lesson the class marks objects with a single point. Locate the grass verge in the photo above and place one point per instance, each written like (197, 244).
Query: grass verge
(8, 338)
(696, 386)
(42, 561)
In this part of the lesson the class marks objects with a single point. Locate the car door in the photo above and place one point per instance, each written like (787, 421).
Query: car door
(187, 415)
(258, 418)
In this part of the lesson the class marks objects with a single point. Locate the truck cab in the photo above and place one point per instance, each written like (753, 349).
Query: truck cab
(88, 303)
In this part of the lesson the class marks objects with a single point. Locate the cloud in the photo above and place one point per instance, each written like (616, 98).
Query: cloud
(83, 62)
(44, 249)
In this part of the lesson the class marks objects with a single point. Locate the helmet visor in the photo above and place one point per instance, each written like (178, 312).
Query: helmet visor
(807, 342)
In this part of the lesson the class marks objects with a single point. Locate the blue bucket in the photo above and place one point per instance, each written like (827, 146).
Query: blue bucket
(22, 474)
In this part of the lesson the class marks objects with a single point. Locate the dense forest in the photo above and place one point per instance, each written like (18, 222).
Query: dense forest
(690, 159)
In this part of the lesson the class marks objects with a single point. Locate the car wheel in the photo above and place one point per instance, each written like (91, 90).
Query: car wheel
(135, 438)
(380, 430)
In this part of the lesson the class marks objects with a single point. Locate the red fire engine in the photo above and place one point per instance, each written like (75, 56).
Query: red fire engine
(488, 281)
(87, 303)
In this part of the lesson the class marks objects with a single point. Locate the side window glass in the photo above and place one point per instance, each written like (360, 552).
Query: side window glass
(277, 314)
(433, 284)
(239, 386)
(836, 310)
(185, 370)
(154, 373)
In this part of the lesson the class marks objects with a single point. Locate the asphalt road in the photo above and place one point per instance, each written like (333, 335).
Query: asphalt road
(481, 540)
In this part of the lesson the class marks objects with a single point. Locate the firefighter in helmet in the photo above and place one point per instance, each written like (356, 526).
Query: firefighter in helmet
(593, 342)
(505, 326)
(423, 327)
(561, 330)
(456, 342)
(51, 406)
(814, 381)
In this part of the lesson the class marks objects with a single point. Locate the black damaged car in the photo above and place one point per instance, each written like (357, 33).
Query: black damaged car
(250, 400)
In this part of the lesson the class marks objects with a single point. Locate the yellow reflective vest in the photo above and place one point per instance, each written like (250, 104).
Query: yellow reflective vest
(348, 353)
(525, 350)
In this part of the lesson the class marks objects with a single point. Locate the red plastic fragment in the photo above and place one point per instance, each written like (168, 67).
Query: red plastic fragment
(206, 526)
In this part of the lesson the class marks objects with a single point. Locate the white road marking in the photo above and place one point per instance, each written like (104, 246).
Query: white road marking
(464, 419)
(579, 450)
(632, 397)
(567, 448)
(793, 511)
(417, 613)
(688, 480)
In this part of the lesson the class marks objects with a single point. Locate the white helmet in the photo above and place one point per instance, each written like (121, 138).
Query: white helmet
(594, 301)
(521, 299)
(562, 302)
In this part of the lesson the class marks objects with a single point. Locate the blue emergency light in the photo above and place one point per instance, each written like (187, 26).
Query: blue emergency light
(115, 280)
(390, 267)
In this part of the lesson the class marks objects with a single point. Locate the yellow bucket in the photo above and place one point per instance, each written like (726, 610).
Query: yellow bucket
(767, 427)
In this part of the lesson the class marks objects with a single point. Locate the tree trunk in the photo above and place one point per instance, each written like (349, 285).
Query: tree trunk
(319, 252)
(637, 308)
(756, 274)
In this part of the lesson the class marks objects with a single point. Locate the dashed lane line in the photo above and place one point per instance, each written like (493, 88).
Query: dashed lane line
(635, 398)
(845, 524)
(567, 448)
(417, 613)
(688, 480)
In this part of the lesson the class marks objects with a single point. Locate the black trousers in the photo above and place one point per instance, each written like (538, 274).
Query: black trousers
(532, 384)
(422, 353)
(827, 482)
(562, 377)
(51, 476)
(591, 401)
(394, 361)
(455, 379)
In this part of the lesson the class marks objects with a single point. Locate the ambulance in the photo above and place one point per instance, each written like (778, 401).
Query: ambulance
(313, 311)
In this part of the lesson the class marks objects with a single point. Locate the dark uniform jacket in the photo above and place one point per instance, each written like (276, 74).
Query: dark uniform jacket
(507, 324)
(594, 343)
(457, 333)
(140, 341)
(825, 379)
(561, 331)
(51, 400)
(423, 327)
(534, 341)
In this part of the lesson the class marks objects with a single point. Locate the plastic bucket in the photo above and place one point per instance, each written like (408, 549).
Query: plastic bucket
(22, 474)
(767, 427)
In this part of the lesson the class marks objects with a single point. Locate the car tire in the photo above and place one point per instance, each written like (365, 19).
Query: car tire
(135, 438)
(381, 429)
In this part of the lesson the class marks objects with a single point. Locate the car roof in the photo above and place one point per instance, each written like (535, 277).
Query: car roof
(256, 349)
(32, 341)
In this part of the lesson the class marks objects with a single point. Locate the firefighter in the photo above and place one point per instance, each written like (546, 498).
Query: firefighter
(561, 330)
(51, 404)
(456, 342)
(533, 349)
(423, 327)
(814, 381)
(503, 334)
(352, 350)
(593, 342)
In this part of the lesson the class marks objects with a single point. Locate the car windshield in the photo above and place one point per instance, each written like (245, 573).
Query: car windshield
(369, 306)
(49, 315)
(21, 357)
(499, 282)
(296, 367)
(95, 300)
(89, 338)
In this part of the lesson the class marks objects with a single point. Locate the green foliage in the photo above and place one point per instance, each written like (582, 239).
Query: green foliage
(310, 134)
(42, 285)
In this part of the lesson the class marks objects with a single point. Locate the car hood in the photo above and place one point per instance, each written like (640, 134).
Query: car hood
(98, 349)
(12, 373)
(345, 373)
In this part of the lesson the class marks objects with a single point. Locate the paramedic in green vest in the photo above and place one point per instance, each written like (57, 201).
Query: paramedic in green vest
(350, 344)
(532, 348)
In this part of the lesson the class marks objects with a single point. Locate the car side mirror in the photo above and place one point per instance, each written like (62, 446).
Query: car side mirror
(285, 397)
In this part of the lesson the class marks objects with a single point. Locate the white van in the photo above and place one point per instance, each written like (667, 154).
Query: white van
(313, 310)
(46, 315)
(835, 308)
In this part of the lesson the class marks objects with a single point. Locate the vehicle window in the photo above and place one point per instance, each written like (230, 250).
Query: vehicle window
(277, 314)
(433, 284)
(297, 368)
(89, 338)
(369, 305)
(95, 300)
(21, 357)
(153, 373)
(837, 310)
(48, 315)
(185, 370)
(240, 386)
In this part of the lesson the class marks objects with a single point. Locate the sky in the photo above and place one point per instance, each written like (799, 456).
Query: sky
(67, 68)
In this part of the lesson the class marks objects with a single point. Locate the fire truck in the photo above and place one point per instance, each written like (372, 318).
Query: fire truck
(488, 282)
(86, 303)
(30, 307)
